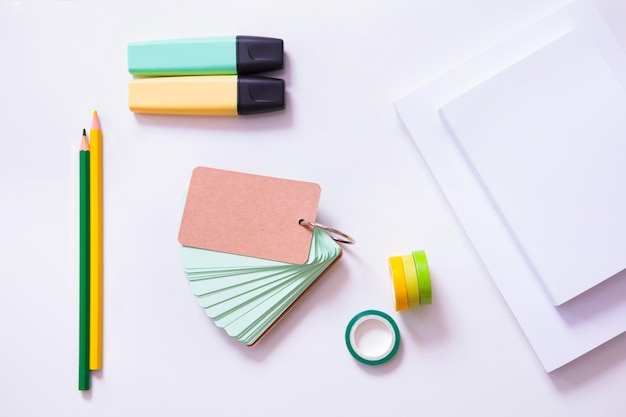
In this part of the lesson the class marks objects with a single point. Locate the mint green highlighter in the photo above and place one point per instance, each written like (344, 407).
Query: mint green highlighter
(223, 55)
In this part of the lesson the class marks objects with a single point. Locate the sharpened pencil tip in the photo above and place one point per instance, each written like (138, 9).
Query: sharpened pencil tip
(84, 143)
(95, 121)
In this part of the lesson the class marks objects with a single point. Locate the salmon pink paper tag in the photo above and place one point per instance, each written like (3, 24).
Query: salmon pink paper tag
(250, 215)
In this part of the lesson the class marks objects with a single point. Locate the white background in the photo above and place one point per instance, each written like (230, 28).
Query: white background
(346, 64)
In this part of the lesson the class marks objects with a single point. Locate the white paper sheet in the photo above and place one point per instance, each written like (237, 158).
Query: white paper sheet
(545, 137)
(557, 334)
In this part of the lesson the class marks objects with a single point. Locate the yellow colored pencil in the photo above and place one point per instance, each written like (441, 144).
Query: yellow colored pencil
(95, 249)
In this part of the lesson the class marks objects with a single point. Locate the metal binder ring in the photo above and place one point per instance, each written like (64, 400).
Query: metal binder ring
(335, 234)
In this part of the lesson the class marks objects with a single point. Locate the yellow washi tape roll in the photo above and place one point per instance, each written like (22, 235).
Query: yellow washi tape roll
(410, 275)
(399, 283)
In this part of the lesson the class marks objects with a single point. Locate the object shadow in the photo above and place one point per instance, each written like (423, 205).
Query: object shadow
(578, 373)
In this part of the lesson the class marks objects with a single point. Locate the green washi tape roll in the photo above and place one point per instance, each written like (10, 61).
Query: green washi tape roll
(380, 355)
(412, 286)
(423, 277)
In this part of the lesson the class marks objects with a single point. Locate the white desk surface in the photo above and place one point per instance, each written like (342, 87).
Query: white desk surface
(347, 63)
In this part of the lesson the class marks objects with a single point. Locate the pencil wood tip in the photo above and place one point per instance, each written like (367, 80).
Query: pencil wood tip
(95, 121)
(84, 143)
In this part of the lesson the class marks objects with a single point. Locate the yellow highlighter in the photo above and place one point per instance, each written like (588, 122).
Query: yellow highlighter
(219, 95)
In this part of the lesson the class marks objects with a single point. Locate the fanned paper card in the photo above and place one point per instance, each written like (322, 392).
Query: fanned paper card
(242, 248)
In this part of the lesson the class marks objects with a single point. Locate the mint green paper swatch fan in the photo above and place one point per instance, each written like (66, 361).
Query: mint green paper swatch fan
(248, 251)
(245, 295)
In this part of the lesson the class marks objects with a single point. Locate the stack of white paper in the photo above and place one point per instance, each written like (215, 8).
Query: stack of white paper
(526, 142)
(546, 138)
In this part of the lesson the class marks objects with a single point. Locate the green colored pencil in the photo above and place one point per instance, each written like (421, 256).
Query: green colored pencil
(83, 345)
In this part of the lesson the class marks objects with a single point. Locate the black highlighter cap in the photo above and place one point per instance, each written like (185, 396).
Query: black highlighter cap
(259, 94)
(258, 54)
